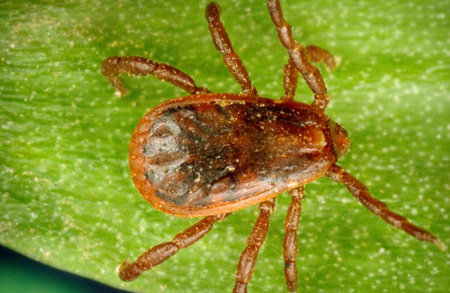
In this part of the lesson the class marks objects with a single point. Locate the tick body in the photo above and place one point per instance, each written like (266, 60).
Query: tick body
(210, 154)
(215, 153)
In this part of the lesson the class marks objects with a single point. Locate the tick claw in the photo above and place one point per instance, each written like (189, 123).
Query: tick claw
(338, 60)
(118, 94)
(440, 245)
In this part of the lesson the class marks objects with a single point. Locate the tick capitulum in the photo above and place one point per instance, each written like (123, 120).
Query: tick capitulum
(210, 154)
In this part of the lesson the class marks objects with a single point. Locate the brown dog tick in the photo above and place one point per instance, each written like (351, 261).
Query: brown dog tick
(210, 154)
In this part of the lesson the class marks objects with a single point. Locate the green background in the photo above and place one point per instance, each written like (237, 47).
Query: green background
(66, 197)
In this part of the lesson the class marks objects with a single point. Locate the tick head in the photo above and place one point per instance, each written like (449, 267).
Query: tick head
(339, 138)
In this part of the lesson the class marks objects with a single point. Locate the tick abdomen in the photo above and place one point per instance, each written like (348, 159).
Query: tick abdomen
(222, 148)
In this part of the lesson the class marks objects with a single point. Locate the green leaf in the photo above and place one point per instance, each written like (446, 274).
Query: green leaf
(66, 197)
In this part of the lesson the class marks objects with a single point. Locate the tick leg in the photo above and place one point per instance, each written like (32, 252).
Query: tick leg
(314, 54)
(161, 252)
(290, 240)
(248, 257)
(223, 45)
(379, 208)
(132, 65)
(299, 56)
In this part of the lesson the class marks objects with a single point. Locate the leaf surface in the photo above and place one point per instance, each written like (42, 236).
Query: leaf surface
(66, 197)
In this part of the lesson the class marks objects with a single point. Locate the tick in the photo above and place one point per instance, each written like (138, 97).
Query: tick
(210, 154)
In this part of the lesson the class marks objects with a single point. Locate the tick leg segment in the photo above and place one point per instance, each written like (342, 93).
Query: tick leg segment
(161, 252)
(314, 54)
(299, 56)
(223, 45)
(379, 208)
(290, 239)
(290, 79)
(132, 65)
(248, 257)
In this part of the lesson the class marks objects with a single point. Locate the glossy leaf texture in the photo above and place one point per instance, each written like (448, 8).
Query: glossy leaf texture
(66, 196)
